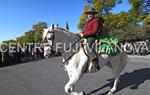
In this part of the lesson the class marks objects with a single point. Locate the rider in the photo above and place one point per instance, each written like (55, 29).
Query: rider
(90, 31)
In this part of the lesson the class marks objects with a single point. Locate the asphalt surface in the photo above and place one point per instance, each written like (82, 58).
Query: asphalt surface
(47, 77)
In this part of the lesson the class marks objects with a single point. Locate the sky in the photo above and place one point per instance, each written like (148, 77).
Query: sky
(18, 16)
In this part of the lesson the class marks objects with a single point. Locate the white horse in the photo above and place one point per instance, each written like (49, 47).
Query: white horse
(75, 63)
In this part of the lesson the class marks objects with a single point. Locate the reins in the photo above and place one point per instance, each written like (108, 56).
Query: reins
(69, 48)
(73, 44)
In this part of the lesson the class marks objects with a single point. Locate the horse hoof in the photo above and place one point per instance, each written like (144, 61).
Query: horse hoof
(77, 93)
(82, 93)
(73, 93)
(110, 93)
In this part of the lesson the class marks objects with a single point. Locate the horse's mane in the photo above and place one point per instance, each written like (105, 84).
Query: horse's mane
(62, 35)
(73, 35)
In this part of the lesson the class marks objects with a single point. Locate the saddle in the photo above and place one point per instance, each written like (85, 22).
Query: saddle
(106, 45)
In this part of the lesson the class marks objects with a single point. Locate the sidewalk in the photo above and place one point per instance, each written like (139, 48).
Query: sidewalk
(138, 56)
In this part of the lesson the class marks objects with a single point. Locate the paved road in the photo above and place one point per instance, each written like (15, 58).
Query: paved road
(46, 77)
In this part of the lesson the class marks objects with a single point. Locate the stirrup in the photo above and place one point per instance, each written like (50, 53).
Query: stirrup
(93, 67)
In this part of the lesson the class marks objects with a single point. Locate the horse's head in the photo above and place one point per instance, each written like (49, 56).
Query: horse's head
(48, 36)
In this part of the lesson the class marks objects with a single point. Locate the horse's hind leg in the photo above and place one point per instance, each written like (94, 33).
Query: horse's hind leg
(114, 88)
(117, 75)
(117, 64)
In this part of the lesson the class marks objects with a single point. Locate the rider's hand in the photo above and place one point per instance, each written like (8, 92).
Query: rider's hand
(81, 35)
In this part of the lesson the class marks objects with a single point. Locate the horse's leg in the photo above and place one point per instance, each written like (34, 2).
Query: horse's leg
(75, 70)
(119, 66)
(74, 76)
(114, 88)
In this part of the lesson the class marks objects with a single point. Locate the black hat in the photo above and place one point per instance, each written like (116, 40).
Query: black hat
(91, 11)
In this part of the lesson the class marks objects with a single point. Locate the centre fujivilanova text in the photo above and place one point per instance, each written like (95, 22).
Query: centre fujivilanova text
(16, 47)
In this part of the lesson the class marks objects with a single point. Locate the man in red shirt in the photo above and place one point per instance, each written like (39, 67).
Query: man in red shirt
(89, 32)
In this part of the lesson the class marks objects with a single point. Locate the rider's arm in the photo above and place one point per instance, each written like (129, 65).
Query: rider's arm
(93, 31)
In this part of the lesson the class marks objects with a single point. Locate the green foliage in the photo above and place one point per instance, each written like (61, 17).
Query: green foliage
(117, 21)
(83, 18)
(37, 37)
(146, 29)
(103, 7)
(124, 25)
(140, 9)
(147, 20)
(31, 36)
(20, 39)
(38, 29)
(9, 41)
(131, 32)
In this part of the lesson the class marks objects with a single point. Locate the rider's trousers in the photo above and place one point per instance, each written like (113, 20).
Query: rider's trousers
(90, 48)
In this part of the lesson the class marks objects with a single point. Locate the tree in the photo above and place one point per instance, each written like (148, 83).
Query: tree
(20, 39)
(147, 20)
(118, 21)
(34, 35)
(38, 29)
(67, 25)
(140, 9)
(102, 6)
(10, 41)
(29, 36)
(83, 18)
(146, 29)
(131, 25)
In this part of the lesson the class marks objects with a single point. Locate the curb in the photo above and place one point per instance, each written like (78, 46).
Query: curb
(131, 56)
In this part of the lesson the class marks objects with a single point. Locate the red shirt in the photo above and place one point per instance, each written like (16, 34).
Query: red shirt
(92, 27)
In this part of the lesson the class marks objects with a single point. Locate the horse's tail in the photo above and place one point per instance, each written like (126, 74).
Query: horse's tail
(119, 62)
(123, 62)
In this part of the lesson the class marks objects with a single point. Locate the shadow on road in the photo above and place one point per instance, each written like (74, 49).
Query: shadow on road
(131, 80)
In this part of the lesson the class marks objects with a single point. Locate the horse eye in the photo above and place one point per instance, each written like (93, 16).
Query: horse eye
(47, 45)
(49, 38)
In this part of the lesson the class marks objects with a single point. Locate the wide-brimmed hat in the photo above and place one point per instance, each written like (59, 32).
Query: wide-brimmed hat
(91, 11)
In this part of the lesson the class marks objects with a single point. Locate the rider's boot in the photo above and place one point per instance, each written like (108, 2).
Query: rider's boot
(93, 66)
